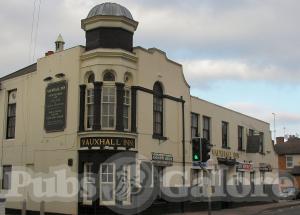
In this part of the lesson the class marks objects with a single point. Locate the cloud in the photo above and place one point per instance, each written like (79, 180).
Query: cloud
(289, 121)
(202, 71)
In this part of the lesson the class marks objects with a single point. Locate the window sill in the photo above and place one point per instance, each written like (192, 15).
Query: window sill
(226, 147)
(159, 137)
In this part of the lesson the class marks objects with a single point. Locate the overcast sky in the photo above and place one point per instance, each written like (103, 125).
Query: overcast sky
(242, 54)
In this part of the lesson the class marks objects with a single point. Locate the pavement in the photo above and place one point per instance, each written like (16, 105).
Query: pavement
(252, 210)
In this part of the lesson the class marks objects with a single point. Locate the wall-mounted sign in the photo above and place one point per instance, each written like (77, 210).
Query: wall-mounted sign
(264, 167)
(224, 153)
(253, 144)
(162, 159)
(55, 106)
(107, 141)
(244, 167)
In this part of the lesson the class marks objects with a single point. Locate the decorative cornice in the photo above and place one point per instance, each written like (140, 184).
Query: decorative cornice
(119, 54)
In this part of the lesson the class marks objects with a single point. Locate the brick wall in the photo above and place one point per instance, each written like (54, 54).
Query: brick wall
(281, 162)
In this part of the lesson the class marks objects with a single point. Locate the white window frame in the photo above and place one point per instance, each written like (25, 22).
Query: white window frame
(126, 168)
(115, 107)
(89, 89)
(113, 201)
(87, 179)
(128, 105)
(286, 161)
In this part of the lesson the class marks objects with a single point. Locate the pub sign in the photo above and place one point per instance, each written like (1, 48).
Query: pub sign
(107, 141)
(55, 106)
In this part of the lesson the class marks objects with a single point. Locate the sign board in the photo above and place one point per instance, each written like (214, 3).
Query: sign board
(200, 164)
(162, 159)
(224, 153)
(264, 167)
(55, 106)
(253, 144)
(107, 141)
(244, 167)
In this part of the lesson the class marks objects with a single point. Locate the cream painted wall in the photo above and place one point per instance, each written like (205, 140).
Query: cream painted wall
(34, 146)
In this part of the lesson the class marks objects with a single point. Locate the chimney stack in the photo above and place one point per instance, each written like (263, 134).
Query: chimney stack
(279, 140)
(59, 44)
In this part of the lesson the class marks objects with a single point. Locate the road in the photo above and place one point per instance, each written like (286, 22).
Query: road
(294, 210)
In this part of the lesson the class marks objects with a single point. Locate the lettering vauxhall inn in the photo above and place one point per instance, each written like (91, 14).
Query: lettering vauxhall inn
(120, 120)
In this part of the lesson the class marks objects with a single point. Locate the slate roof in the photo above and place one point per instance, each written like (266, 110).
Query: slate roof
(290, 147)
(24, 71)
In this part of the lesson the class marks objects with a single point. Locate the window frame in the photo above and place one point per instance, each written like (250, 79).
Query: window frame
(158, 110)
(204, 129)
(240, 138)
(225, 136)
(86, 176)
(286, 162)
(261, 142)
(8, 187)
(128, 106)
(113, 183)
(88, 105)
(110, 86)
(195, 127)
(11, 118)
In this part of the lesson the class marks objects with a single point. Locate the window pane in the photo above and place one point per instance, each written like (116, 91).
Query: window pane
(104, 168)
(106, 192)
(104, 177)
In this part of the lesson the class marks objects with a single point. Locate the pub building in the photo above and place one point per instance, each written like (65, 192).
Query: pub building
(86, 108)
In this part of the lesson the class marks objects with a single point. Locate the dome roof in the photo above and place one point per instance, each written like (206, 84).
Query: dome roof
(110, 9)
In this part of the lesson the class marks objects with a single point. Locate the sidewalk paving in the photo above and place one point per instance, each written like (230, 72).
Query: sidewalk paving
(251, 210)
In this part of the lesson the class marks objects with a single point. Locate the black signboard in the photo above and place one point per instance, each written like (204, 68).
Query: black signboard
(253, 144)
(55, 106)
(107, 141)
(263, 167)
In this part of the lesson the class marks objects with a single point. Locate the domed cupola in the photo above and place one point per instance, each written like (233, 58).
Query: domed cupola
(109, 25)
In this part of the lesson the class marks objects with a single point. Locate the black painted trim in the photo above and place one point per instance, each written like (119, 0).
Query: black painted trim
(109, 37)
(133, 109)
(29, 212)
(120, 103)
(97, 105)
(82, 107)
(146, 90)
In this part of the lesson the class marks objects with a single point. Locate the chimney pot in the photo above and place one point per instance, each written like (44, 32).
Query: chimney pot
(49, 53)
(279, 140)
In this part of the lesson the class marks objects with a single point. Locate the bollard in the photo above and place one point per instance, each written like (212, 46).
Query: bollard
(24, 207)
(42, 208)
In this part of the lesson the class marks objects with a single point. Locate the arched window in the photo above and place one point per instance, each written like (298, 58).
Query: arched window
(157, 109)
(91, 78)
(108, 110)
(109, 76)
